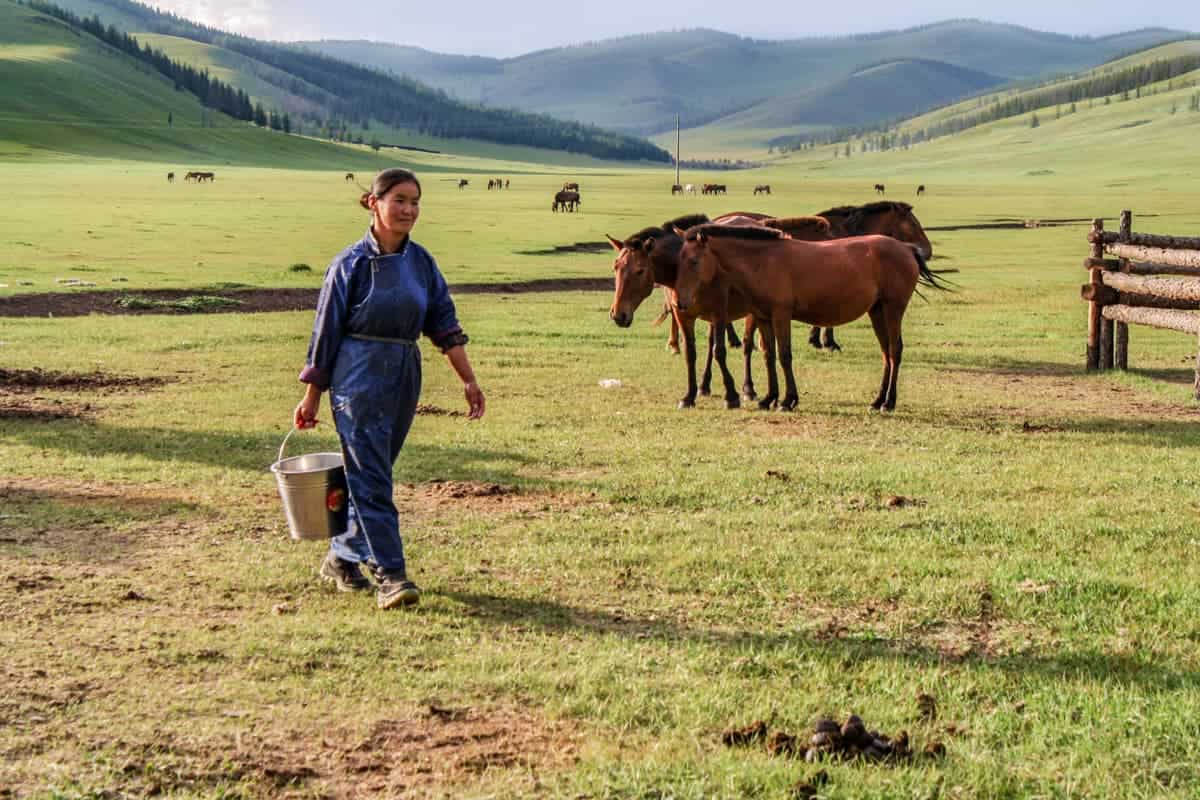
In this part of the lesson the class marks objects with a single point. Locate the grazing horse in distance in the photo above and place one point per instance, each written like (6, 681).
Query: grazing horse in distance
(491, 184)
(762, 188)
(566, 200)
(823, 283)
(880, 188)
(676, 189)
(884, 217)
(506, 180)
(690, 188)
(206, 176)
(463, 182)
(170, 177)
(349, 177)
(571, 186)
(920, 190)
(191, 176)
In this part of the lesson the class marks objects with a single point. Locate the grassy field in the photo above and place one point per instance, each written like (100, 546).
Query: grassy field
(609, 582)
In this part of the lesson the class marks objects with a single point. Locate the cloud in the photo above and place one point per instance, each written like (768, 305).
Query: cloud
(249, 17)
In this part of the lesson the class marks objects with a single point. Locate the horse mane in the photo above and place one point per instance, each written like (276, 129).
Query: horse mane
(685, 222)
(667, 229)
(815, 224)
(853, 217)
(735, 232)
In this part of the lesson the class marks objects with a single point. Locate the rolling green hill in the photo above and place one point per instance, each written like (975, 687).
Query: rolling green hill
(639, 83)
(350, 97)
(881, 91)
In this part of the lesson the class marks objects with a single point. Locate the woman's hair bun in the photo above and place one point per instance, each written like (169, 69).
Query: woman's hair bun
(364, 201)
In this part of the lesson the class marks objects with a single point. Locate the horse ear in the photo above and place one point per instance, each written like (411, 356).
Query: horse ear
(701, 238)
(648, 245)
(675, 229)
(617, 244)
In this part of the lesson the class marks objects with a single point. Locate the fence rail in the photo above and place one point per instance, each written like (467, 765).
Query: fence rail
(1125, 290)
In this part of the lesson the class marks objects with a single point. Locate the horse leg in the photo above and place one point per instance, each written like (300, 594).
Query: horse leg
(896, 347)
(827, 341)
(782, 323)
(734, 341)
(768, 348)
(688, 324)
(673, 336)
(706, 378)
(814, 337)
(748, 352)
(879, 324)
(717, 333)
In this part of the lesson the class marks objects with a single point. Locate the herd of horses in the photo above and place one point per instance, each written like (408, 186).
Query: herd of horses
(193, 176)
(827, 270)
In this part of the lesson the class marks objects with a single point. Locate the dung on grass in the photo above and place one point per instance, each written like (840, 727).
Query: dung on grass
(193, 303)
(299, 268)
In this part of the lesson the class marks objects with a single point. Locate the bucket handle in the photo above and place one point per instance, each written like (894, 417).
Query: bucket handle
(283, 446)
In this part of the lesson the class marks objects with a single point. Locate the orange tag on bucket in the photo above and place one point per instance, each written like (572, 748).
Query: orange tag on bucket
(335, 501)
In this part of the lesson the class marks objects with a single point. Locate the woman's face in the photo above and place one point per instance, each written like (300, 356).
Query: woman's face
(397, 211)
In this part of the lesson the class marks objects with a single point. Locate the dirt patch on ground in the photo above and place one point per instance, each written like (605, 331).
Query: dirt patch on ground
(40, 410)
(434, 753)
(481, 497)
(14, 381)
(437, 411)
(80, 304)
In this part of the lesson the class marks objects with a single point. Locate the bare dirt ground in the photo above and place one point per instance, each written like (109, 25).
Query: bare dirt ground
(83, 303)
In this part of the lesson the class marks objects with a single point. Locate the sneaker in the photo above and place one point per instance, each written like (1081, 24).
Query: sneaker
(345, 574)
(393, 588)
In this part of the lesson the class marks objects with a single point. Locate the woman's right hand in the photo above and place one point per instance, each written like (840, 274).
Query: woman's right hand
(306, 411)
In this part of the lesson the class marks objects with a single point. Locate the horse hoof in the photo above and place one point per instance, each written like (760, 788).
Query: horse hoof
(749, 394)
(833, 347)
(789, 404)
(673, 350)
(686, 403)
(705, 391)
(733, 401)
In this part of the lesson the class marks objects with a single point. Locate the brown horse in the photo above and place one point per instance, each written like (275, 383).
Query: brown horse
(822, 283)
(762, 188)
(920, 190)
(880, 188)
(566, 200)
(349, 177)
(651, 257)
(886, 218)
(170, 177)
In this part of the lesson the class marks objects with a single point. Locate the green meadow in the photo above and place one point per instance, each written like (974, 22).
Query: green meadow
(609, 582)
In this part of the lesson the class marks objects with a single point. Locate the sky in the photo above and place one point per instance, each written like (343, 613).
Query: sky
(513, 27)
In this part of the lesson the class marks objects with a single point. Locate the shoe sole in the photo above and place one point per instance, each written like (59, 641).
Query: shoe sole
(409, 597)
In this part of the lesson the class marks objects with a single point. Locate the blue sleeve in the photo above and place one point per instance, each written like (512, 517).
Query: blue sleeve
(330, 324)
(441, 318)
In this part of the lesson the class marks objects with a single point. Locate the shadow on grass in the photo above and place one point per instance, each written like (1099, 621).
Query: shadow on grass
(252, 452)
(1065, 666)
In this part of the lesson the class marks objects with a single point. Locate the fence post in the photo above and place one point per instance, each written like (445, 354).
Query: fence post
(1094, 307)
(1121, 339)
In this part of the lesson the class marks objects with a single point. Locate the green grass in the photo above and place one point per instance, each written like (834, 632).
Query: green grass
(654, 576)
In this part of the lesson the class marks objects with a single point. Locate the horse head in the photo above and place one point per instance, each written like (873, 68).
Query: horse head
(634, 273)
(697, 265)
(907, 228)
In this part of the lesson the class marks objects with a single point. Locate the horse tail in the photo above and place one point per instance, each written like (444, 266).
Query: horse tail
(926, 276)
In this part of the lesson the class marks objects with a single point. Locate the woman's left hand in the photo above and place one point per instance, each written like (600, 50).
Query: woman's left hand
(475, 400)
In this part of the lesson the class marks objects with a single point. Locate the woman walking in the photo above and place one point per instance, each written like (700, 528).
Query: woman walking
(379, 295)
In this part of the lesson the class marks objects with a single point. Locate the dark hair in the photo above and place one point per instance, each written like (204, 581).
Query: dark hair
(386, 180)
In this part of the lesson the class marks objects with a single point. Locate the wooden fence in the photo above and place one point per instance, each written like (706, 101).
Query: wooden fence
(1124, 289)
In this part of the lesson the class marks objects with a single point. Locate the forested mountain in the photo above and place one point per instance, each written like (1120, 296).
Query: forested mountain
(346, 96)
(639, 83)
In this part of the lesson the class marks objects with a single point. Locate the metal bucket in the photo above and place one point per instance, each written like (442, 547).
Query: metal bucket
(314, 494)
